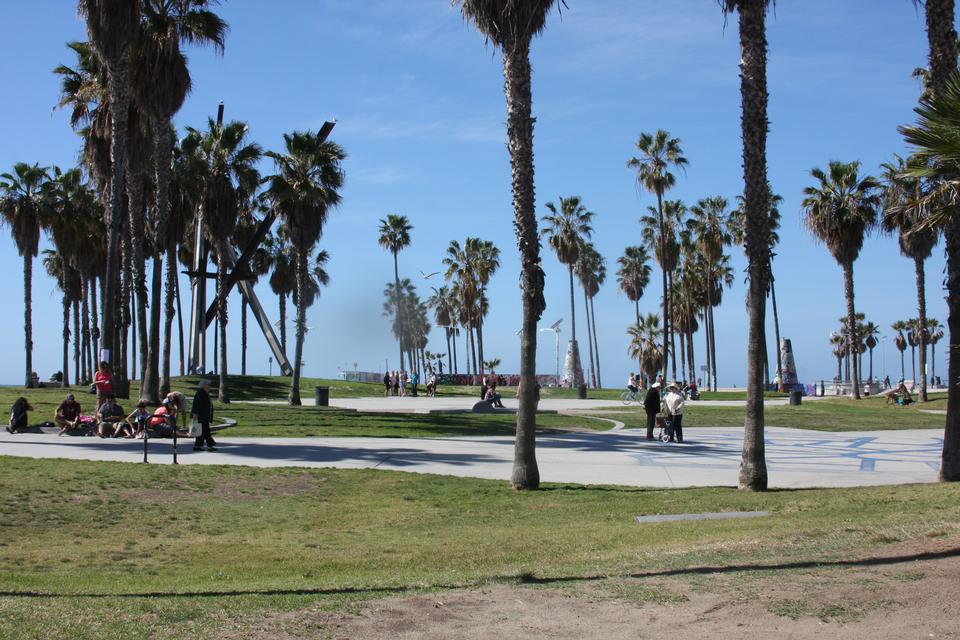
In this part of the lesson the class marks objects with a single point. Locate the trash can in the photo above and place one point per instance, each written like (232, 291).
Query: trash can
(795, 397)
(322, 396)
(582, 392)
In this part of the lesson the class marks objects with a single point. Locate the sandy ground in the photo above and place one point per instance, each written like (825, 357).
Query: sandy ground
(904, 591)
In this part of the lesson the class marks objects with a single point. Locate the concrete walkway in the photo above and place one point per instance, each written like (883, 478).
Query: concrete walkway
(710, 456)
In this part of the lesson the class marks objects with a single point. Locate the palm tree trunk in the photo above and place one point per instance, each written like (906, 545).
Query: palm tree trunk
(871, 364)
(94, 325)
(913, 362)
(839, 369)
(596, 344)
(85, 356)
(950, 460)
(753, 92)
(65, 381)
(75, 303)
(776, 328)
(480, 344)
(666, 289)
(453, 341)
(243, 336)
(903, 367)
(119, 73)
(301, 276)
(713, 344)
(222, 395)
(283, 322)
(706, 349)
(121, 378)
(150, 387)
(586, 311)
(396, 289)
(922, 333)
(132, 304)
(636, 309)
(516, 73)
(176, 286)
(135, 199)
(446, 334)
(169, 290)
(690, 359)
(673, 331)
(851, 326)
(28, 317)
(683, 356)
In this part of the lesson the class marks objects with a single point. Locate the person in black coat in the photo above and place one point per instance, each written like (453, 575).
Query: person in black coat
(652, 406)
(201, 410)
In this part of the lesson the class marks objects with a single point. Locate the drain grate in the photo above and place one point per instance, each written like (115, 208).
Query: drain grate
(723, 515)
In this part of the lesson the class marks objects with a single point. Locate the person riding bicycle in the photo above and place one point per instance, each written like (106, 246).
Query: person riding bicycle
(632, 383)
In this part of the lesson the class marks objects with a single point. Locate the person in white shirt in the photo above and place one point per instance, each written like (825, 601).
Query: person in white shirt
(673, 402)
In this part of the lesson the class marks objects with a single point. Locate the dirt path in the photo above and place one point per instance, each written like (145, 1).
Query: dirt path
(890, 595)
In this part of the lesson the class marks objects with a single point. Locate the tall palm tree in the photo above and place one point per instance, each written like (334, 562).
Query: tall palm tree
(486, 261)
(394, 237)
(900, 342)
(510, 25)
(227, 165)
(903, 213)
(756, 194)
(839, 210)
(633, 275)
(112, 28)
(934, 335)
(935, 137)
(709, 231)
(443, 314)
(23, 207)
(304, 190)
(913, 339)
(161, 79)
(661, 232)
(278, 260)
(659, 153)
(566, 228)
(459, 261)
(839, 343)
(591, 272)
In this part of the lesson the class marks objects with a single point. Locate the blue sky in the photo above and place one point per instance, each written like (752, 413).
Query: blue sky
(419, 101)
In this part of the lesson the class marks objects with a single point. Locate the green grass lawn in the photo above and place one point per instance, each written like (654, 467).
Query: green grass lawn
(834, 414)
(113, 550)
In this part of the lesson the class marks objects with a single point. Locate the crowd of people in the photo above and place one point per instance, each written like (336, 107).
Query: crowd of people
(109, 419)
(402, 384)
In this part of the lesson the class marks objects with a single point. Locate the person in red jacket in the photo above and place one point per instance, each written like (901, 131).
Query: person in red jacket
(103, 381)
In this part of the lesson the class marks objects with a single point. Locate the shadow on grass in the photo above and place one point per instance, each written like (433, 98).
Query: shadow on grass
(876, 561)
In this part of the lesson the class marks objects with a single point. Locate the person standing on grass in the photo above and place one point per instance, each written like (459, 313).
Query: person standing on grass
(395, 381)
(414, 381)
(651, 404)
(18, 415)
(201, 410)
(386, 384)
(673, 402)
(103, 381)
(67, 414)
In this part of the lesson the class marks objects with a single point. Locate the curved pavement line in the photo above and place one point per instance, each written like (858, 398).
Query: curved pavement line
(617, 425)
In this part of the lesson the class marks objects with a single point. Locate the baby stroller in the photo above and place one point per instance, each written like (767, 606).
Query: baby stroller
(664, 428)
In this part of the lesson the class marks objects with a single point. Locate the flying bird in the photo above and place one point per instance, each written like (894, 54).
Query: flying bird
(427, 276)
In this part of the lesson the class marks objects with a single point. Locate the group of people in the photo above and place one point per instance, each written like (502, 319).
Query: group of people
(403, 383)
(669, 402)
(111, 421)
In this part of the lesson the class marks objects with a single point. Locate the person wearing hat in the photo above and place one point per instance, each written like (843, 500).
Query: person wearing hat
(673, 402)
(67, 414)
(651, 405)
(201, 410)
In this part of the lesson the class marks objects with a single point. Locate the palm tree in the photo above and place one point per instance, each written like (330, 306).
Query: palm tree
(901, 343)
(838, 341)
(485, 260)
(492, 365)
(161, 83)
(708, 228)
(566, 228)
(395, 236)
(839, 211)
(226, 162)
(510, 25)
(460, 271)
(913, 339)
(903, 213)
(592, 273)
(935, 137)
(303, 191)
(443, 314)
(934, 334)
(870, 333)
(643, 344)
(23, 207)
(112, 28)
(277, 258)
(756, 195)
(659, 153)
(633, 275)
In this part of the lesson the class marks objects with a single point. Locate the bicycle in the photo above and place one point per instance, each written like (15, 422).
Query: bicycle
(631, 396)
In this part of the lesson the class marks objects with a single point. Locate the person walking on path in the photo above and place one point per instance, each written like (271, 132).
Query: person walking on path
(673, 401)
(18, 415)
(651, 405)
(201, 410)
